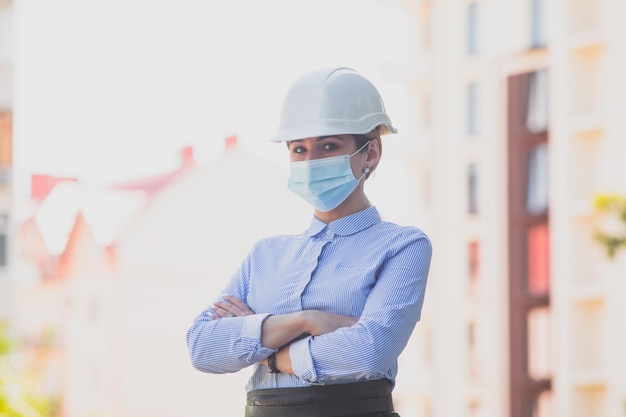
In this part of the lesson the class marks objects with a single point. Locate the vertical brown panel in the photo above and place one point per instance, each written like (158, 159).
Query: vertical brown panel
(517, 329)
(524, 391)
(6, 139)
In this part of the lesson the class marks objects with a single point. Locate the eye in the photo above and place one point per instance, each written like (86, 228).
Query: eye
(298, 149)
(329, 146)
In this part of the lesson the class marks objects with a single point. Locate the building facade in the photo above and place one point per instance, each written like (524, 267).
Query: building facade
(516, 131)
(6, 151)
(118, 274)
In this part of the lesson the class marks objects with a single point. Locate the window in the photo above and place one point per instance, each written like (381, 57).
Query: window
(539, 336)
(585, 80)
(538, 267)
(474, 409)
(426, 25)
(472, 109)
(3, 249)
(426, 110)
(6, 145)
(427, 332)
(472, 29)
(426, 189)
(94, 309)
(537, 106)
(472, 352)
(472, 185)
(537, 24)
(473, 267)
(4, 246)
(543, 406)
(537, 182)
(584, 14)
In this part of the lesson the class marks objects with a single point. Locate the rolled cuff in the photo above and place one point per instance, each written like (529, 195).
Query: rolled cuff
(251, 338)
(302, 362)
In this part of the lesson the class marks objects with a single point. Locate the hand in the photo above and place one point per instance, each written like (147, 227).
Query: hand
(230, 306)
(320, 322)
(279, 331)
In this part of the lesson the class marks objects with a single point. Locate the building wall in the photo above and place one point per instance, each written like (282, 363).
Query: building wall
(6, 151)
(172, 263)
(108, 334)
(588, 87)
(459, 94)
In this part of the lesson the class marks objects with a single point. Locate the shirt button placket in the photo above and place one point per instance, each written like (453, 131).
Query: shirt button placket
(313, 252)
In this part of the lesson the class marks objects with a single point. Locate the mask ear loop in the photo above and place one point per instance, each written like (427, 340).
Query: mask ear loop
(360, 149)
(366, 171)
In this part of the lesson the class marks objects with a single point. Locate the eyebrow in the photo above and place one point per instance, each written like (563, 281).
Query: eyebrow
(319, 138)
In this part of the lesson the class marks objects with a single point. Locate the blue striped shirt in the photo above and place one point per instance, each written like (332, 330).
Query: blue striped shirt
(357, 266)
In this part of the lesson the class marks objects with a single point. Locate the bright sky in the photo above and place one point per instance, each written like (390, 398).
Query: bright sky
(111, 90)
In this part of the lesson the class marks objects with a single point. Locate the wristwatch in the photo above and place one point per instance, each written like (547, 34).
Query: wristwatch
(271, 363)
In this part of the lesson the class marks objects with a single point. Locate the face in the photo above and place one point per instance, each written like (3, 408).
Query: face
(321, 147)
(326, 147)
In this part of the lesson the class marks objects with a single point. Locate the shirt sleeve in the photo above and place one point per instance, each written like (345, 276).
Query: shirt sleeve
(230, 344)
(370, 348)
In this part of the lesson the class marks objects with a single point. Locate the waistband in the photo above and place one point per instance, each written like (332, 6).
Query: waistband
(322, 401)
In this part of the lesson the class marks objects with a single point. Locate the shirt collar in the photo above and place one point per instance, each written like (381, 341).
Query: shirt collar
(347, 225)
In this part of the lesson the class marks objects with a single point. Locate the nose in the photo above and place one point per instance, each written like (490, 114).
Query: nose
(312, 154)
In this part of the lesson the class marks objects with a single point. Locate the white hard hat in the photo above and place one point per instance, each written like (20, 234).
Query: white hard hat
(334, 101)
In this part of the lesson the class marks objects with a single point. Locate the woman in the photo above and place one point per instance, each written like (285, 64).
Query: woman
(322, 315)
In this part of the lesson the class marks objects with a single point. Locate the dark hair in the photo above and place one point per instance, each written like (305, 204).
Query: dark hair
(361, 140)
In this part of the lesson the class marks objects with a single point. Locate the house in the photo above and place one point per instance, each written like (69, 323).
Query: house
(114, 290)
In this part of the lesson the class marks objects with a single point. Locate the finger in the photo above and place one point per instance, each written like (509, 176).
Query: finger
(223, 313)
(237, 302)
(237, 310)
(228, 307)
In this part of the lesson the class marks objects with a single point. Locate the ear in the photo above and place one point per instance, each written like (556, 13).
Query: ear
(373, 153)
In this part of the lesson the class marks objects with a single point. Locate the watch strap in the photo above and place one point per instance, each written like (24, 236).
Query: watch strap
(271, 363)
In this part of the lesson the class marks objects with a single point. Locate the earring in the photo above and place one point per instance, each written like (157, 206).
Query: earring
(367, 170)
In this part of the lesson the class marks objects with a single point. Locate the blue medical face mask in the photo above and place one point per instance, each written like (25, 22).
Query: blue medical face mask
(326, 182)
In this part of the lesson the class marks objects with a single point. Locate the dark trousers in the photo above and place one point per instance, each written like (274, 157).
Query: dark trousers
(361, 399)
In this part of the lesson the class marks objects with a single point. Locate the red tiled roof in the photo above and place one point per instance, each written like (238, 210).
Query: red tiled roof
(41, 185)
(149, 184)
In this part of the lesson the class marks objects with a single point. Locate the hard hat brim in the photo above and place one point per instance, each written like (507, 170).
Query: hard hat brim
(332, 101)
(284, 135)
